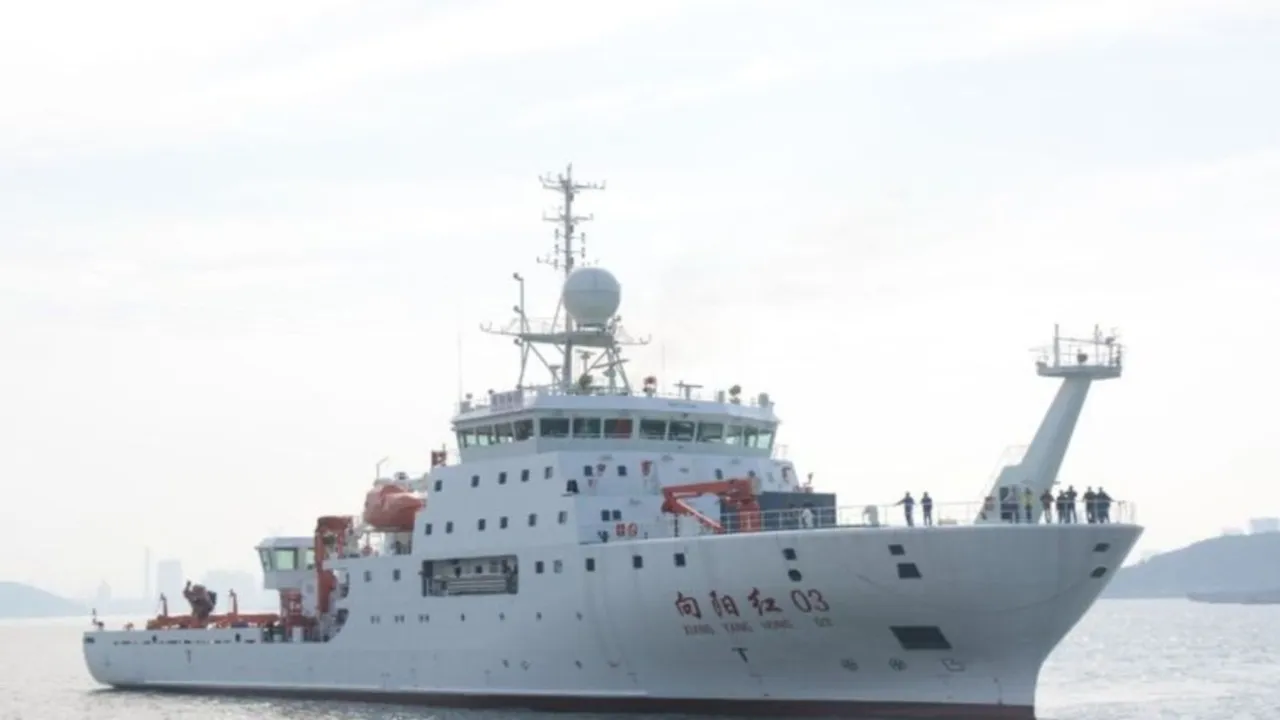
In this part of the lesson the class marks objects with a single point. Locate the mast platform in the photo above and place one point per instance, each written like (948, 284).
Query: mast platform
(1097, 358)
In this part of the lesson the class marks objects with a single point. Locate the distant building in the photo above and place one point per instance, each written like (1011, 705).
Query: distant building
(170, 581)
(1257, 526)
(248, 589)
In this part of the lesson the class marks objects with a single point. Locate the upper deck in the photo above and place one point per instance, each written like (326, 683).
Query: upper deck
(550, 418)
(596, 400)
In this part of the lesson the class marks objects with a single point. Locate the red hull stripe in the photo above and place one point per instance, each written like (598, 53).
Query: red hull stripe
(763, 707)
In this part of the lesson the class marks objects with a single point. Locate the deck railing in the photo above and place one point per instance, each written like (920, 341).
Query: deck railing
(868, 516)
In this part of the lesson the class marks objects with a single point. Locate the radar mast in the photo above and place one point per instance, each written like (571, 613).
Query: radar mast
(586, 314)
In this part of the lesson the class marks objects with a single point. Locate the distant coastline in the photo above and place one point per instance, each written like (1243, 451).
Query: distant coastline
(1228, 568)
(18, 601)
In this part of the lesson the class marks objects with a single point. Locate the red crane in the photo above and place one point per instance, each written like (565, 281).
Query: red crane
(737, 493)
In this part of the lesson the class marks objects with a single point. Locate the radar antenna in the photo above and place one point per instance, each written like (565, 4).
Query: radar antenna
(564, 254)
(595, 327)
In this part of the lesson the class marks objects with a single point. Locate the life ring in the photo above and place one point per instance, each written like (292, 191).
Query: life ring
(632, 530)
(620, 530)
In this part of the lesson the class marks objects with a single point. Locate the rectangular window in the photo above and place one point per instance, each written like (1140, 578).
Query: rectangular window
(563, 517)
(604, 516)
(502, 433)
(591, 564)
(557, 566)
(524, 475)
(466, 438)
(617, 428)
(522, 429)
(586, 427)
(750, 436)
(554, 427)
(484, 436)
(286, 559)
(764, 439)
(710, 432)
(502, 523)
(680, 431)
(733, 435)
(537, 567)
(533, 519)
(502, 478)
(480, 524)
(919, 637)
(653, 429)
(426, 529)
(548, 471)
(622, 471)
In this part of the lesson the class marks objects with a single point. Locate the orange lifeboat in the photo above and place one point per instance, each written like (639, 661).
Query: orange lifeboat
(391, 508)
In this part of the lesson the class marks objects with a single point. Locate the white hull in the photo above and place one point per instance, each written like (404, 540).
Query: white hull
(612, 639)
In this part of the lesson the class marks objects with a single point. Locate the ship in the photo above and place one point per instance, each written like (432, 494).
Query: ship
(1230, 597)
(581, 544)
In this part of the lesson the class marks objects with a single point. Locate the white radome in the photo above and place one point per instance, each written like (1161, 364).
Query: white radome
(591, 296)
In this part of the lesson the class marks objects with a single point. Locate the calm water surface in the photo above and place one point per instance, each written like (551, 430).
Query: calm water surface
(1127, 660)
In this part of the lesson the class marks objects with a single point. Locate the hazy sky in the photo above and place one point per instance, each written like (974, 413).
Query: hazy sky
(238, 242)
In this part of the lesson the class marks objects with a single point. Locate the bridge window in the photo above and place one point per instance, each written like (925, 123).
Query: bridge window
(265, 556)
(586, 427)
(309, 558)
(750, 436)
(466, 438)
(484, 435)
(764, 439)
(502, 433)
(522, 429)
(711, 432)
(681, 431)
(286, 559)
(733, 435)
(617, 428)
(653, 429)
(554, 427)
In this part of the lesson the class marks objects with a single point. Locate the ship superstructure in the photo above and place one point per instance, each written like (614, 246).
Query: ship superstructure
(595, 546)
